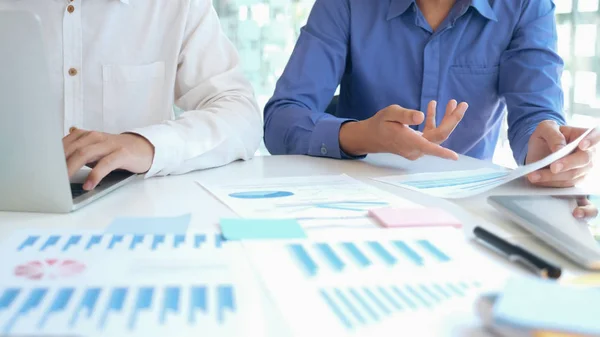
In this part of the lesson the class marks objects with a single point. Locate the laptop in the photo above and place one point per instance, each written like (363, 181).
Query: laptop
(33, 171)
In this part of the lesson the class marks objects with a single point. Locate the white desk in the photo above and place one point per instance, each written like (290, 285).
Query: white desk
(180, 194)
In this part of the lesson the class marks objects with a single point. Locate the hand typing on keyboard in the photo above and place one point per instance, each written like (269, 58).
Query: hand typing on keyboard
(106, 153)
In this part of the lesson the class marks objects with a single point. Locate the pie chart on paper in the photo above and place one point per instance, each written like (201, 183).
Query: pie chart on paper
(261, 194)
(49, 269)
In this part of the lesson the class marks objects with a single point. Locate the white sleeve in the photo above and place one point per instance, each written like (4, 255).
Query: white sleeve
(221, 122)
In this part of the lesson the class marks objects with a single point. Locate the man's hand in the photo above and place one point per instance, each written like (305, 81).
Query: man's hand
(389, 132)
(548, 138)
(106, 153)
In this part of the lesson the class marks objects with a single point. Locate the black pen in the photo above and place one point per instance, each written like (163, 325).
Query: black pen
(517, 254)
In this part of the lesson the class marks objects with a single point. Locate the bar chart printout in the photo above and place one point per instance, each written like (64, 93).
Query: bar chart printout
(372, 283)
(130, 310)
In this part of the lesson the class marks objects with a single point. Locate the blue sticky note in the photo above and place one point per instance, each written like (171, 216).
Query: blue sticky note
(242, 229)
(546, 305)
(150, 225)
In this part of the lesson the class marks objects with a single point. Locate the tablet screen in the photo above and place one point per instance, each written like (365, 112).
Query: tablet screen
(552, 219)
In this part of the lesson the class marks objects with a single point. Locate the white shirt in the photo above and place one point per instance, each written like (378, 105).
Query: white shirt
(122, 64)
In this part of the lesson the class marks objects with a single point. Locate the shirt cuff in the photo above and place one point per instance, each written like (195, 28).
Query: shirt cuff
(325, 139)
(167, 146)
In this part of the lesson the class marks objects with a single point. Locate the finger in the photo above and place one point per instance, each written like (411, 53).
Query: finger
(451, 106)
(398, 114)
(549, 131)
(105, 166)
(575, 160)
(426, 147)
(73, 135)
(587, 211)
(591, 140)
(86, 155)
(561, 184)
(450, 122)
(430, 123)
(87, 139)
(546, 175)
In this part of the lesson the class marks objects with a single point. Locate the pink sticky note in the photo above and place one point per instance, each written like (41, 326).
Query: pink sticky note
(414, 217)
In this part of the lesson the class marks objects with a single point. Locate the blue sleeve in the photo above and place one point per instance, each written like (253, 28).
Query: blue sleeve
(295, 118)
(530, 71)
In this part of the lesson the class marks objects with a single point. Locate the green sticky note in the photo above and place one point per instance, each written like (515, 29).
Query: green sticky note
(261, 229)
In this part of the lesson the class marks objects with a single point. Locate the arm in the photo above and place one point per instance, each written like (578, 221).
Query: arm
(221, 122)
(530, 71)
(295, 121)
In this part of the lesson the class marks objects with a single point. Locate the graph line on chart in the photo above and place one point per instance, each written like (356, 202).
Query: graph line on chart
(70, 305)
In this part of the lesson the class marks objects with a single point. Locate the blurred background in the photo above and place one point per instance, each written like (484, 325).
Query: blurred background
(264, 31)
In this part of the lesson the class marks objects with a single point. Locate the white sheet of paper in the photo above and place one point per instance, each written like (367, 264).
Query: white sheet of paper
(402, 282)
(100, 284)
(316, 201)
(464, 184)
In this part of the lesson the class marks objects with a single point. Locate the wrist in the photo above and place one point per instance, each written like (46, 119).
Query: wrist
(352, 139)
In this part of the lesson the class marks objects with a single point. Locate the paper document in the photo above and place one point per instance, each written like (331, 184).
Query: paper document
(316, 201)
(375, 282)
(91, 283)
(464, 184)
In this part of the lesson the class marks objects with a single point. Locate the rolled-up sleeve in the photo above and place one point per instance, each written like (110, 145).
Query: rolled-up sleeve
(530, 71)
(295, 121)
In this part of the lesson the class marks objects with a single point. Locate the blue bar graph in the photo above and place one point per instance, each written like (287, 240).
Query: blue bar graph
(137, 239)
(30, 241)
(73, 240)
(90, 298)
(301, 255)
(115, 303)
(199, 239)
(389, 298)
(412, 305)
(408, 252)
(336, 309)
(336, 263)
(178, 240)
(225, 301)
(348, 304)
(416, 294)
(464, 285)
(114, 240)
(375, 299)
(455, 289)
(94, 240)
(441, 290)
(61, 300)
(52, 240)
(360, 258)
(157, 240)
(218, 240)
(36, 296)
(170, 303)
(430, 293)
(363, 303)
(198, 302)
(142, 302)
(8, 297)
(383, 253)
(433, 250)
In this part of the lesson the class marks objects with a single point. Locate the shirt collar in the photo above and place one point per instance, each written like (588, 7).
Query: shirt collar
(399, 7)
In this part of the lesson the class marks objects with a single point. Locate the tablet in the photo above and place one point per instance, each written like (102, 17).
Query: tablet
(550, 218)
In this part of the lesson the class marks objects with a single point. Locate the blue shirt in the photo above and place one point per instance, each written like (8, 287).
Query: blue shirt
(496, 55)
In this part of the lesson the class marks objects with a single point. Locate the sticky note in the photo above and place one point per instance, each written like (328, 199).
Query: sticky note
(529, 303)
(244, 229)
(414, 217)
(150, 225)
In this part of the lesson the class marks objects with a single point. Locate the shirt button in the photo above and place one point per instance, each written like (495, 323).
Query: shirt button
(73, 72)
(323, 149)
(71, 9)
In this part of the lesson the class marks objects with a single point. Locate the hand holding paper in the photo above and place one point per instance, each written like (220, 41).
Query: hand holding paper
(550, 138)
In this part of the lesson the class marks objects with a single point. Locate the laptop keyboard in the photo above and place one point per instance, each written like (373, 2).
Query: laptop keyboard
(77, 190)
